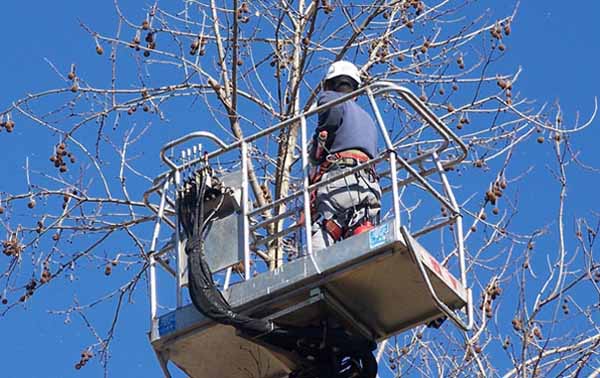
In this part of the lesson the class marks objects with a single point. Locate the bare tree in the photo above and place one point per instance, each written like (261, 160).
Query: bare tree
(238, 67)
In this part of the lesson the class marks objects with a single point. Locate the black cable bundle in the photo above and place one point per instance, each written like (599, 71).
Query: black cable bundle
(326, 352)
(206, 297)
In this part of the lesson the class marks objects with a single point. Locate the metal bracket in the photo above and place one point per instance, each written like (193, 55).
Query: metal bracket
(314, 298)
(346, 315)
(440, 305)
(163, 361)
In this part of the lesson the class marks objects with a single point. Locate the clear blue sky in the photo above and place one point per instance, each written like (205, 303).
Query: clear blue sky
(556, 43)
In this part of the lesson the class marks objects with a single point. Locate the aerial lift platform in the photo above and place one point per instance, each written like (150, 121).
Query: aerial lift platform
(374, 285)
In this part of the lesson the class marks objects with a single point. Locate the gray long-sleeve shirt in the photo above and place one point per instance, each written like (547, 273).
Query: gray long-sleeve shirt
(348, 126)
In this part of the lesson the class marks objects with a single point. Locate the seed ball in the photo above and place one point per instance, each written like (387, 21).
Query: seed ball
(63, 168)
(495, 210)
(1, 210)
(423, 98)
(517, 325)
(71, 75)
(146, 53)
(473, 228)
(501, 47)
(145, 25)
(4, 301)
(107, 270)
(56, 236)
(31, 204)
(99, 50)
(540, 139)
(145, 108)
(74, 88)
(483, 216)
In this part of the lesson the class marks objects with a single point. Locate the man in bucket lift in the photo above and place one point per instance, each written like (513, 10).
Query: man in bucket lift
(345, 137)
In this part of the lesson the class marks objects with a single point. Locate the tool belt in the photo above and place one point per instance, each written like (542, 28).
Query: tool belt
(348, 158)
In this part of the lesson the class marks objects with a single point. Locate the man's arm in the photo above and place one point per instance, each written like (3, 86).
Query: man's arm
(331, 118)
(329, 121)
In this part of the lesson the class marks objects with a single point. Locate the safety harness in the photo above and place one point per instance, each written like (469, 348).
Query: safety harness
(357, 225)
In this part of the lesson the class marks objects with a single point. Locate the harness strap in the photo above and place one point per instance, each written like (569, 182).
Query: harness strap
(339, 158)
(350, 155)
(333, 228)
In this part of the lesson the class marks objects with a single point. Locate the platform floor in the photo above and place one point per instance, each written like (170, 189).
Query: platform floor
(368, 283)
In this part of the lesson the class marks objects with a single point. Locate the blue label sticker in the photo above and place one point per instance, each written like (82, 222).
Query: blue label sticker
(377, 236)
(166, 323)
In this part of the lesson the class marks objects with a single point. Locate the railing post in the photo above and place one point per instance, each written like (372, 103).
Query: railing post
(152, 260)
(179, 247)
(459, 224)
(245, 220)
(305, 184)
(395, 193)
(392, 158)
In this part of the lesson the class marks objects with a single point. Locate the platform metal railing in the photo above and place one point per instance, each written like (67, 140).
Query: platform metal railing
(251, 216)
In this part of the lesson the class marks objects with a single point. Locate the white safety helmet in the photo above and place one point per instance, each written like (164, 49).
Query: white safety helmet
(343, 68)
